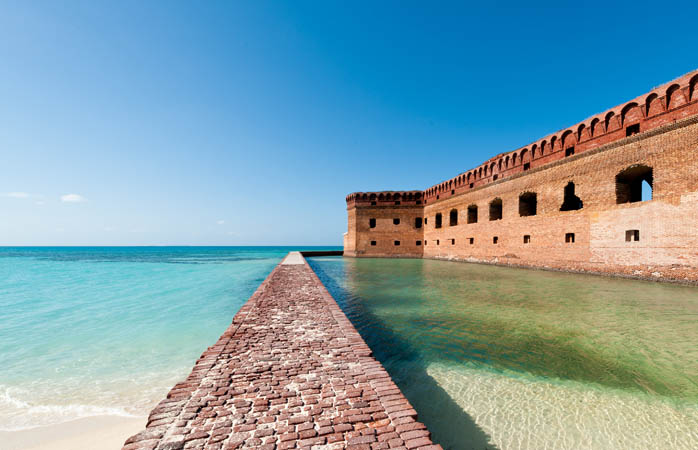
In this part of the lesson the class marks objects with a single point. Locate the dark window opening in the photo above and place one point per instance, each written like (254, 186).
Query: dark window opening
(437, 224)
(373, 203)
(494, 178)
(419, 202)
(437, 242)
(396, 221)
(453, 191)
(437, 197)
(632, 235)
(397, 203)
(527, 239)
(425, 220)
(453, 242)
(569, 151)
(425, 242)
(569, 238)
(634, 184)
(453, 218)
(528, 204)
(418, 222)
(372, 223)
(472, 214)
(571, 202)
(471, 240)
(495, 239)
(527, 166)
(632, 129)
(419, 243)
(397, 242)
(471, 185)
(373, 243)
(496, 209)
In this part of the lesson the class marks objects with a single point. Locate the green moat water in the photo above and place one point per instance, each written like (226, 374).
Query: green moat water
(504, 358)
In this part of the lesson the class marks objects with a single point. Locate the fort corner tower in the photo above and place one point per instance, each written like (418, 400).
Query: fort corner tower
(573, 200)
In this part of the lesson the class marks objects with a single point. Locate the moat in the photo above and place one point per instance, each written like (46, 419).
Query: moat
(494, 357)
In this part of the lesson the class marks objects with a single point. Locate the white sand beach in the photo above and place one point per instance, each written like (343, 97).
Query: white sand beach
(94, 433)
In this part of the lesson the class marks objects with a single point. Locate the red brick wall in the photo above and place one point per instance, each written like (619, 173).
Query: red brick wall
(668, 245)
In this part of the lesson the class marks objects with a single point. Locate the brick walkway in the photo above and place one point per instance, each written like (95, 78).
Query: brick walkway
(290, 372)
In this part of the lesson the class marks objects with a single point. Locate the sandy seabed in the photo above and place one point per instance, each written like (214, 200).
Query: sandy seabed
(93, 433)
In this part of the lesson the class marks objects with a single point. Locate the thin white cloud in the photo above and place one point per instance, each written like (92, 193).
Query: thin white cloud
(73, 198)
(220, 222)
(16, 195)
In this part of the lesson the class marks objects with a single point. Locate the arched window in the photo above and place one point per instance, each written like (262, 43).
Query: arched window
(528, 204)
(496, 209)
(453, 218)
(627, 113)
(580, 130)
(472, 214)
(533, 151)
(543, 146)
(629, 184)
(513, 160)
(571, 202)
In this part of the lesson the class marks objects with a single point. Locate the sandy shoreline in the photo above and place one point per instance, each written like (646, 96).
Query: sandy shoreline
(99, 432)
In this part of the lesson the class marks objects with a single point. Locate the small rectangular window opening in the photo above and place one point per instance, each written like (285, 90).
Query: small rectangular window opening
(397, 243)
(528, 165)
(437, 197)
(495, 239)
(453, 191)
(372, 223)
(419, 202)
(632, 129)
(527, 239)
(437, 242)
(396, 221)
(453, 242)
(425, 220)
(494, 178)
(419, 243)
(569, 238)
(397, 202)
(471, 185)
(471, 240)
(373, 203)
(569, 151)
(425, 242)
(418, 222)
(632, 235)
(373, 243)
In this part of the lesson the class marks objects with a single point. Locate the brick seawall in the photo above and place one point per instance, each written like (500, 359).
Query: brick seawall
(290, 372)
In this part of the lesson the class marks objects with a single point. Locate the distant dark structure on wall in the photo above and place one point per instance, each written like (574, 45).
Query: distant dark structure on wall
(616, 193)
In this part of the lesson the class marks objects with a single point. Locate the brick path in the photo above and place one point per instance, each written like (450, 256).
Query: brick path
(290, 372)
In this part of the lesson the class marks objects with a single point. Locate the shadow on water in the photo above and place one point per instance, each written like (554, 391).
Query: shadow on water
(450, 426)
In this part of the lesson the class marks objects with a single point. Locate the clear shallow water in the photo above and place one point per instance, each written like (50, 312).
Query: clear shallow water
(494, 357)
(88, 331)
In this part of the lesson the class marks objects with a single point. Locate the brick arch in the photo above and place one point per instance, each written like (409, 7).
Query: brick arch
(609, 121)
(513, 159)
(534, 147)
(652, 105)
(506, 161)
(567, 139)
(630, 114)
(594, 127)
(553, 141)
(674, 99)
(524, 155)
(693, 88)
(580, 130)
(543, 145)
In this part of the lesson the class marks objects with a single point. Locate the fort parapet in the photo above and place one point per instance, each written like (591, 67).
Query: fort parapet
(572, 200)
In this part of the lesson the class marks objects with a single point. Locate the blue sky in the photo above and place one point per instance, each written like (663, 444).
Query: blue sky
(243, 123)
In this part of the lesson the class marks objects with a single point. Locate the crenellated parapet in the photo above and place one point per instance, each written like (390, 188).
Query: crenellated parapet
(665, 104)
(385, 198)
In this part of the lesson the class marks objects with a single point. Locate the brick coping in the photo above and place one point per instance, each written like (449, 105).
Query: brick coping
(291, 371)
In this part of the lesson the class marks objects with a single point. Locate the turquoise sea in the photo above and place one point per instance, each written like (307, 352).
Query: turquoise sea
(490, 357)
(496, 357)
(90, 331)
